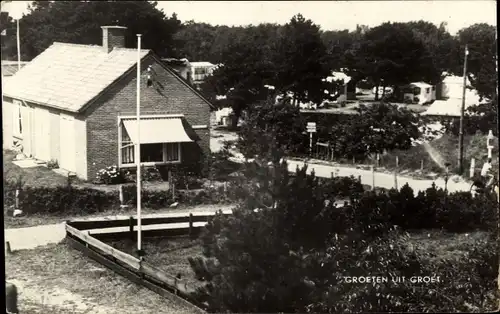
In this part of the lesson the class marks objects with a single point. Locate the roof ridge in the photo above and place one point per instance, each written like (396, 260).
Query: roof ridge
(58, 43)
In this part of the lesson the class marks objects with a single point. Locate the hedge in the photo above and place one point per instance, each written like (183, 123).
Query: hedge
(454, 212)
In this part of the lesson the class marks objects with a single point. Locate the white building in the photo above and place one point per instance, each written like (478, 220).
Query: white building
(419, 93)
(200, 70)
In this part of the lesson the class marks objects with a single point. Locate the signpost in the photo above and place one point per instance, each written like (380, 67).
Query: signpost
(311, 128)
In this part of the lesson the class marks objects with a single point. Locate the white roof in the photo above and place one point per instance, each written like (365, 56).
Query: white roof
(453, 79)
(202, 64)
(421, 84)
(68, 76)
(338, 76)
(451, 107)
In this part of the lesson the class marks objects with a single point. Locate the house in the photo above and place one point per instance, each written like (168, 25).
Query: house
(77, 104)
(419, 93)
(451, 107)
(347, 89)
(200, 70)
(451, 87)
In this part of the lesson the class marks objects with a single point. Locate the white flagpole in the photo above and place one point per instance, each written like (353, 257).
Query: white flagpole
(137, 147)
(18, 47)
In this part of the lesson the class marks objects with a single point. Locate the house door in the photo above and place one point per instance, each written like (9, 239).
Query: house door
(67, 143)
(42, 134)
(27, 130)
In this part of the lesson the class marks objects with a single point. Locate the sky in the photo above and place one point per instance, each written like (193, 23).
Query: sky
(330, 15)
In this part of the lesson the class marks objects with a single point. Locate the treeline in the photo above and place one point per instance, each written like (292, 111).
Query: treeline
(292, 58)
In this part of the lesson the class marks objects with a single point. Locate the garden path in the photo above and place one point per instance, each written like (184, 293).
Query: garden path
(32, 237)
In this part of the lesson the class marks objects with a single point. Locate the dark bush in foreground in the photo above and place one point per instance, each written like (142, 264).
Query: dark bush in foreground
(288, 249)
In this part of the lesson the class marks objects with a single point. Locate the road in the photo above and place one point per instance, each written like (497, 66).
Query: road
(382, 180)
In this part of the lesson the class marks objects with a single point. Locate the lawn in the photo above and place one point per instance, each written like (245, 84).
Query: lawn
(40, 219)
(446, 147)
(167, 254)
(58, 279)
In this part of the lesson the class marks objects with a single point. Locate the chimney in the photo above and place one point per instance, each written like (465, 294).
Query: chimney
(113, 37)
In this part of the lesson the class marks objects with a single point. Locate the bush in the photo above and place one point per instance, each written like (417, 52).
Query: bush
(53, 164)
(110, 175)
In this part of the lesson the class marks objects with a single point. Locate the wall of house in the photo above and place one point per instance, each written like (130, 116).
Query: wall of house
(7, 123)
(168, 95)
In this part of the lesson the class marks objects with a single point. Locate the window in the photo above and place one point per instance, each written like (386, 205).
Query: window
(152, 152)
(156, 153)
(433, 88)
(17, 119)
(416, 91)
(427, 90)
(200, 71)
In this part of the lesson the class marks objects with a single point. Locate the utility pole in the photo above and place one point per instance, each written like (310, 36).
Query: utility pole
(462, 109)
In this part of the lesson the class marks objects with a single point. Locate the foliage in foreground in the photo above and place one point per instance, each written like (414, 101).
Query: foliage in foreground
(288, 249)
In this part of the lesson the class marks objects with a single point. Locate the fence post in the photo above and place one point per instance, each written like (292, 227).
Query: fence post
(331, 175)
(225, 188)
(17, 199)
(397, 162)
(373, 178)
(378, 160)
(422, 165)
(359, 178)
(396, 174)
(472, 167)
(8, 249)
(353, 160)
(191, 225)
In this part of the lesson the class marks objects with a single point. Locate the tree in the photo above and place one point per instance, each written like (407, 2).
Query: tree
(272, 131)
(481, 62)
(194, 41)
(80, 22)
(301, 60)
(246, 69)
(374, 129)
(482, 73)
(392, 55)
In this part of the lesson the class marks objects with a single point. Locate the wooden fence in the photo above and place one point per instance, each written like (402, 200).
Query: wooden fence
(84, 235)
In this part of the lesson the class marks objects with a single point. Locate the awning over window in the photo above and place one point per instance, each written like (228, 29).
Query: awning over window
(160, 130)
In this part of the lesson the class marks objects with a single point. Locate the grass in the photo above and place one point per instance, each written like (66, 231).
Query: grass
(447, 147)
(37, 176)
(58, 279)
(40, 219)
(167, 254)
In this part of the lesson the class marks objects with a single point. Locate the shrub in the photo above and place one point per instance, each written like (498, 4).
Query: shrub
(67, 200)
(110, 175)
(53, 164)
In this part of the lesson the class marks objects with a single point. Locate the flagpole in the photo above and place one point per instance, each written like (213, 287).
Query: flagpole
(138, 148)
(18, 47)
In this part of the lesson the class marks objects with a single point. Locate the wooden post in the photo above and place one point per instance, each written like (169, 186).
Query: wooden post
(373, 178)
(17, 199)
(422, 165)
(331, 174)
(225, 187)
(191, 225)
(472, 167)
(353, 160)
(397, 162)
(122, 197)
(8, 249)
(378, 160)
(359, 178)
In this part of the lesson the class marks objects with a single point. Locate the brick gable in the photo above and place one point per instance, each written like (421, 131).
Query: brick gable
(168, 95)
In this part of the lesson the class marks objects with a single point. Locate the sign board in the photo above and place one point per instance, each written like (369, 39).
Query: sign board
(311, 127)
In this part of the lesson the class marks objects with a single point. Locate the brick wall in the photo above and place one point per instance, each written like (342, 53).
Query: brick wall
(168, 95)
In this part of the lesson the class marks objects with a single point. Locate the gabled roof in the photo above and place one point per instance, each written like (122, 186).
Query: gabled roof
(68, 76)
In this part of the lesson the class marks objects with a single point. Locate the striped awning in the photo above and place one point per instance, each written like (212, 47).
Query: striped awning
(158, 130)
